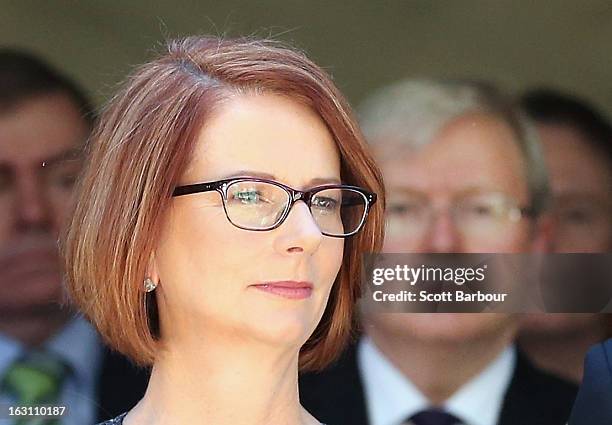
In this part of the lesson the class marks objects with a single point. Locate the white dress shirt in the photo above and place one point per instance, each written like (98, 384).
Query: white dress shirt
(391, 397)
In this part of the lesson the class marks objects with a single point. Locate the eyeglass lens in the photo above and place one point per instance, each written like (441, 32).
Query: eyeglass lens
(261, 205)
(475, 215)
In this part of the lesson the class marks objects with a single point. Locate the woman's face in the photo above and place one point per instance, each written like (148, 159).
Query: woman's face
(211, 273)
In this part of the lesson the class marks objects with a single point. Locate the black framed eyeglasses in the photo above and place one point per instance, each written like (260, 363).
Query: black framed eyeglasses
(261, 204)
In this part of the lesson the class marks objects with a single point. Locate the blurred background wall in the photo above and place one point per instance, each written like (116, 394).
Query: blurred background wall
(363, 43)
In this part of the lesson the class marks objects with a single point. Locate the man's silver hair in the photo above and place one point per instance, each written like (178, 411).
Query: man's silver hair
(412, 113)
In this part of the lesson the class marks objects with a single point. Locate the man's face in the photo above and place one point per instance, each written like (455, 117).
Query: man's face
(581, 180)
(456, 194)
(35, 196)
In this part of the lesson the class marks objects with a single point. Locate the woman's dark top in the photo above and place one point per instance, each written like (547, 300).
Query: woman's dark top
(119, 420)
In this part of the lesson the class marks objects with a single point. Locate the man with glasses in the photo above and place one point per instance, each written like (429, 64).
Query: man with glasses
(463, 174)
(49, 355)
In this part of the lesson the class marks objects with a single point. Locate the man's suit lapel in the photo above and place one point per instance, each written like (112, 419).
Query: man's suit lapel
(535, 397)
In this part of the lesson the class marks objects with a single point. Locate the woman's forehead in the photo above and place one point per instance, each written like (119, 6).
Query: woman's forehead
(267, 134)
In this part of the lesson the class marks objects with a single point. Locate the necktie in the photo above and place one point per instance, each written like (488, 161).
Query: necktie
(433, 417)
(35, 379)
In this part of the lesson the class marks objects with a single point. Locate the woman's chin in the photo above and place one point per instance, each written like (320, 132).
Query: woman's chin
(284, 328)
(286, 321)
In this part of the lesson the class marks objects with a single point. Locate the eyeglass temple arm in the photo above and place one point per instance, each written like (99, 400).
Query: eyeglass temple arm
(195, 188)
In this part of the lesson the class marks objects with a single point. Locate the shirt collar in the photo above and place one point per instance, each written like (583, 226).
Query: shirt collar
(9, 352)
(391, 397)
(480, 400)
(77, 343)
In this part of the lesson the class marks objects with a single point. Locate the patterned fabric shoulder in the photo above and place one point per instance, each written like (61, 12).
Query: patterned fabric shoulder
(119, 420)
(116, 421)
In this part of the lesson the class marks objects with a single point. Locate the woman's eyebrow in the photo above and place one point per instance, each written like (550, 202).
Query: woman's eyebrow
(251, 173)
(320, 181)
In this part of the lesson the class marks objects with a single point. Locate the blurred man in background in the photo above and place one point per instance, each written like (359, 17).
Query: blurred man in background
(48, 353)
(577, 142)
(463, 174)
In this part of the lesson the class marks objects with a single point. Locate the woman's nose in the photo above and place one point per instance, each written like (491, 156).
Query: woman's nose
(299, 232)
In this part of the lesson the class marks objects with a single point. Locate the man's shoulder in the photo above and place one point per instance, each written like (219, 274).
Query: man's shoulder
(598, 366)
(600, 355)
(593, 401)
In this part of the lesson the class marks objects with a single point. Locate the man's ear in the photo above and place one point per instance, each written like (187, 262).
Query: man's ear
(543, 233)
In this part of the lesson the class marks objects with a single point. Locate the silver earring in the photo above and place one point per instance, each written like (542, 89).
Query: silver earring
(149, 285)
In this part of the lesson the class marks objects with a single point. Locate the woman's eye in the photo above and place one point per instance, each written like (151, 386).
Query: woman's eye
(328, 204)
(248, 197)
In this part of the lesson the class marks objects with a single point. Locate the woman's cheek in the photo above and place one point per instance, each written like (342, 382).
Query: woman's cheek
(332, 260)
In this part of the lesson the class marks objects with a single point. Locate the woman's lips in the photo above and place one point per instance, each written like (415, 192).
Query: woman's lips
(287, 289)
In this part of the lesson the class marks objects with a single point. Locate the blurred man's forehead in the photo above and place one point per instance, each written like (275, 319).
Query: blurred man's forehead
(575, 165)
(470, 153)
(41, 129)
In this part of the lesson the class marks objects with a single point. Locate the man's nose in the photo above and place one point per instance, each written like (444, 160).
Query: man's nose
(32, 207)
(443, 235)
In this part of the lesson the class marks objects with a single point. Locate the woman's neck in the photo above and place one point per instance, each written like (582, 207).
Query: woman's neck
(236, 384)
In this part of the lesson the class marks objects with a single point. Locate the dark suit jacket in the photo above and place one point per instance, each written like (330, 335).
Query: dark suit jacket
(335, 396)
(121, 385)
(594, 401)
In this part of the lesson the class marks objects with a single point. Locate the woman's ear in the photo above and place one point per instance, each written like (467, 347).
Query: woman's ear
(152, 270)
